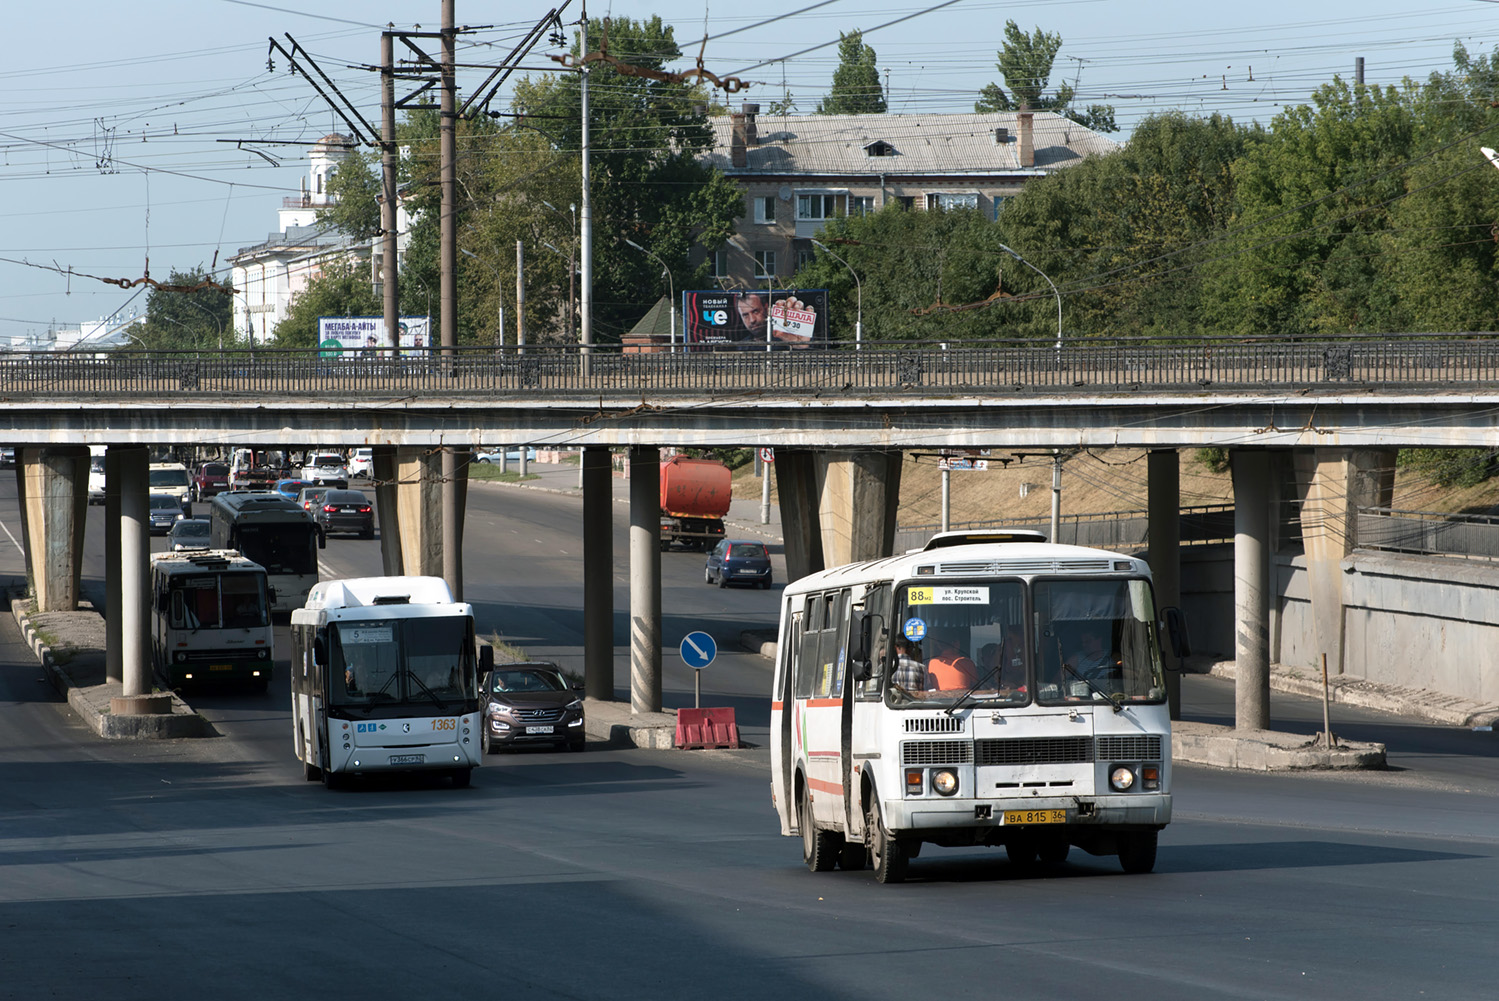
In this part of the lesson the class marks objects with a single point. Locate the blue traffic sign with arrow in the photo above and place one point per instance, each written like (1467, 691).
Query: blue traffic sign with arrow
(698, 650)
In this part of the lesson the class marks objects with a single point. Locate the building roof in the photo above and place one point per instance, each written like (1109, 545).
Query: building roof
(892, 145)
(295, 239)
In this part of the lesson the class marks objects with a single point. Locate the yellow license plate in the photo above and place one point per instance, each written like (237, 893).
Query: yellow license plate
(221, 667)
(1035, 816)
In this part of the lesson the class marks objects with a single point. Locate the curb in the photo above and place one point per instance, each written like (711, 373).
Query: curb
(1350, 690)
(92, 704)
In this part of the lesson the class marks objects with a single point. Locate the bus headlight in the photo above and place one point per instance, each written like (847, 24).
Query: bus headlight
(945, 781)
(1121, 778)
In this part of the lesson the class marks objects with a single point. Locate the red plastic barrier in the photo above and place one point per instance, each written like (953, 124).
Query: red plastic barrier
(706, 728)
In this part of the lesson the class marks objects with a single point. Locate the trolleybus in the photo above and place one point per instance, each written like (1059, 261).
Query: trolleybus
(989, 689)
(275, 532)
(384, 677)
(210, 618)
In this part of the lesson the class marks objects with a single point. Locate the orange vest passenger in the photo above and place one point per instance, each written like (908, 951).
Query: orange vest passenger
(952, 670)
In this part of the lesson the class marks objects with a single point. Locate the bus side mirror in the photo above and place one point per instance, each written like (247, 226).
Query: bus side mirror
(486, 658)
(322, 538)
(1176, 632)
(320, 649)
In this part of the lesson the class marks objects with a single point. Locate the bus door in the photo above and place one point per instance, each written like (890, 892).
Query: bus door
(782, 711)
(862, 705)
(819, 699)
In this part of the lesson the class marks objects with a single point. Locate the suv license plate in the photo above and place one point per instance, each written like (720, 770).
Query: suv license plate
(1035, 816)
(406, 759)
(538, 729)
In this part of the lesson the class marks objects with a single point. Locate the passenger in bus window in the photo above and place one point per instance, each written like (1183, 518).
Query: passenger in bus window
(951, 669)
(910, 672)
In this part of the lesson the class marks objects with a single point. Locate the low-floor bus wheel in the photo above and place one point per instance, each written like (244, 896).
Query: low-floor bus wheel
(819, 848)
(462, 777)
(886, 854)
(1137, 851)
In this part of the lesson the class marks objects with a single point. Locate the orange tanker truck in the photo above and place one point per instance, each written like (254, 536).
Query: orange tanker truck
(695, 496)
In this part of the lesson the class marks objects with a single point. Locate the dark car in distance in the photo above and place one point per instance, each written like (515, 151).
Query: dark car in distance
(738, 561)
(189, 534)
(165, 510)
(210, 478)
(345, 511)
(531, 703)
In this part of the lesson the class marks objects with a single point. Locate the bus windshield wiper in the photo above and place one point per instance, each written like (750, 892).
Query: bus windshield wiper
(971, 689)
(1111, 700)
(430, 694)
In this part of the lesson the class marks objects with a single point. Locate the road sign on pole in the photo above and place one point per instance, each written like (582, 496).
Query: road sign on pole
(698, 651)
(767, 455)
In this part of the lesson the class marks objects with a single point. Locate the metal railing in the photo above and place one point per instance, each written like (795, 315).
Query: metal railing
(1470, 536)
(1447, 362)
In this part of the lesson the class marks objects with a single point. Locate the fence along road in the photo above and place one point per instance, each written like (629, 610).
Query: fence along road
(1357, 390)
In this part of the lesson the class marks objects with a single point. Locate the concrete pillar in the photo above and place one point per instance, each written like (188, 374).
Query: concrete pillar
(860, 496)
(1251, 480)
(801, 528)
(1163, 512)
(135, 556)
(645, 580)
(113, 588)
(1334, 484)
(385, 473)
(598, 574)
(56, 501)
(454, 497)
(419, 503)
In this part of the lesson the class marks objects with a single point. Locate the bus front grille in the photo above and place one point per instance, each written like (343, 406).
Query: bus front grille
(1034, 751)
(936, 752)
(1133, 747)
(934, 724)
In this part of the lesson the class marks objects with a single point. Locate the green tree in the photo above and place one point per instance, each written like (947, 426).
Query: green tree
(648, 182)
(856, 81)
(201, 320)
(1025, 62)
(354, 189)
(343, 289)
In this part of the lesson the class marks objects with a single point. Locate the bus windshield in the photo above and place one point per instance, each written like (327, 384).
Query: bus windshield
(284, 548)
(983, 643)
(424, 661)
(219, 601)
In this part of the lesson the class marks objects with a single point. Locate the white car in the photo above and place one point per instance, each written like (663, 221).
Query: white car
(327, 469)
(96, 479)
(362, 463)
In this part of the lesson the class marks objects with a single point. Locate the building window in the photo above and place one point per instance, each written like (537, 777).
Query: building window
(906, 202)
(860, 205)
(999, 203)
(879, 148)
(765, 264)
(947, 201)
(765, 209)
(803, 258)
(816, 208)
(720, 261)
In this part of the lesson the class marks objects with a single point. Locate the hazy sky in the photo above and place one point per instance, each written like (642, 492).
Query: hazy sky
(155, 131)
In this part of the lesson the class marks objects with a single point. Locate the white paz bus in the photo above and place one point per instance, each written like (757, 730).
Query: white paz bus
(384, 678)
(990, 689)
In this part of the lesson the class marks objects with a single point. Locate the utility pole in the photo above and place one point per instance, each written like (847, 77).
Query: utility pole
(585, 305)
(388, 271)
(452, 503)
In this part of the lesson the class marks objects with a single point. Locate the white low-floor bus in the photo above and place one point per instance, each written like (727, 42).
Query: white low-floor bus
(384, 678)
(210, 619)
(990, 689)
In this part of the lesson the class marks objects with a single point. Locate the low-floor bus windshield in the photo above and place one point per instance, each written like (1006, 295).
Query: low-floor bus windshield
(990, 690)
(384, 677)
(210, 619)
(274, 532)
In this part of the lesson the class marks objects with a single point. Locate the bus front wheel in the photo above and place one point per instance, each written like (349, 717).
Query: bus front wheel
(886, 853)
(1137, 851)
(819, 848)
(462, 777)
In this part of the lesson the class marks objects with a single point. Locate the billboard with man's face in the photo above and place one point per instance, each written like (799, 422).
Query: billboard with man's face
(744, 319)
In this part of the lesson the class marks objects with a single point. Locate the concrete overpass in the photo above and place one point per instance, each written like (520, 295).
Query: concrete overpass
(836, 418)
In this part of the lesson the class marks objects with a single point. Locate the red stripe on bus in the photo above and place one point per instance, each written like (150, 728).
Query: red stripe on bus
(819, 785)
(775, 706)
(823, 754)
(823, 703)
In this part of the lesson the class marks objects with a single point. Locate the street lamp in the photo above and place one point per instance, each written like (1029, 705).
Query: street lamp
(859, 300)
(671, 289)
(1054, 291)
(499, 335)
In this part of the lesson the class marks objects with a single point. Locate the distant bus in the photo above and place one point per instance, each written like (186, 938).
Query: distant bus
(274, 532)
(210, 619)
(990, 689)
(384, 678)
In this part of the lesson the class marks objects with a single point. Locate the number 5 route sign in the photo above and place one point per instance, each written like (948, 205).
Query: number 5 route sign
(698, 650)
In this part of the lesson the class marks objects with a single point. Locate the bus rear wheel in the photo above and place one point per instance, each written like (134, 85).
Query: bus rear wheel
(819, 848)
(462, 777)
(887, 854)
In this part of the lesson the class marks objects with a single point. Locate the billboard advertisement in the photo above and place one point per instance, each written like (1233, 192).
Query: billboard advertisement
(337, 335)
(747, 319)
